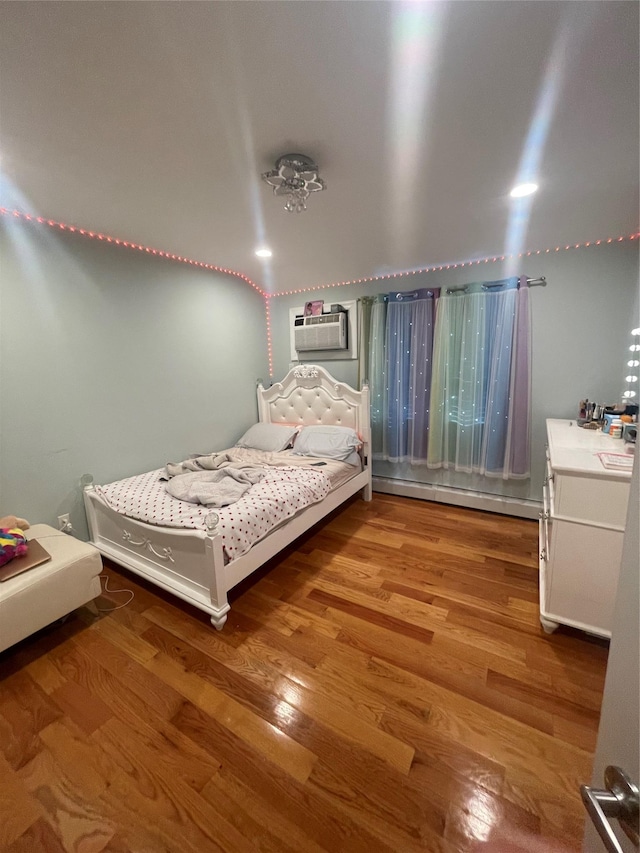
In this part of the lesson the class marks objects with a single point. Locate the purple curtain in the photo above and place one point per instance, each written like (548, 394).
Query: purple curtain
(520, 408)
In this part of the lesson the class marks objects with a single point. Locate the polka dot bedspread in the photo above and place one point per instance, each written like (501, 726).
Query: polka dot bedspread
(282, 492)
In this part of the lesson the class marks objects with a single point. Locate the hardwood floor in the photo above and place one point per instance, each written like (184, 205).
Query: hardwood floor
(385, 686)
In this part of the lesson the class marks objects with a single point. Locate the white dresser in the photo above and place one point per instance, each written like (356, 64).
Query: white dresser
(581, 529)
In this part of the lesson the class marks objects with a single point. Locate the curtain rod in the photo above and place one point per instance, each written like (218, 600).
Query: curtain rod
(403, 295)
(532, 282)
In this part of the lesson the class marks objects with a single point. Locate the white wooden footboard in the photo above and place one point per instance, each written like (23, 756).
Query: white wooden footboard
(185, 562)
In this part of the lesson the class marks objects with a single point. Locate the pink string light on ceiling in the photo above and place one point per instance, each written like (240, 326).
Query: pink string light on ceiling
(116, 241)
(62, 226)
(267, 311)
(458, 265)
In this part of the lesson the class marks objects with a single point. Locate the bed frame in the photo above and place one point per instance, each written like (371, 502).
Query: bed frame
(190, 563)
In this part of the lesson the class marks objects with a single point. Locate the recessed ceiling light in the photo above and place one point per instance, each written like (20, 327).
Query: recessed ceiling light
(263, 252)
(523, 189)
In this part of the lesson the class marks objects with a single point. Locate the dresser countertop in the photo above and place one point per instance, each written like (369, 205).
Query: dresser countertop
(574, 450)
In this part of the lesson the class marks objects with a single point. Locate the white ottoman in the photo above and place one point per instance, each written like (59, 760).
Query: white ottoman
(41, 595)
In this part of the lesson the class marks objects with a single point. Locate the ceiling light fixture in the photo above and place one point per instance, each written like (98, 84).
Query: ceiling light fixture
(264, 252)
(295, 177)
(522, 190)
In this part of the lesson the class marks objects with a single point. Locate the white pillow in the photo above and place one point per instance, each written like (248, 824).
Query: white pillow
(270, 437)
(330, 442)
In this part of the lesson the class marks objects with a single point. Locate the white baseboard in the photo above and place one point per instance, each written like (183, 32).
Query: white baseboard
(459, 497)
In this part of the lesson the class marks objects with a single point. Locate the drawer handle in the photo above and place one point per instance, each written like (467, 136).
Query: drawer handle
(543, 555)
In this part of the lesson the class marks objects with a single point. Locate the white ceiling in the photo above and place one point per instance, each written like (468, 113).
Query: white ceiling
(153, 121)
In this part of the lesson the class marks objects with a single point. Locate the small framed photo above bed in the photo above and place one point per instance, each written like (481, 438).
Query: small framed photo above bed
(313, 308)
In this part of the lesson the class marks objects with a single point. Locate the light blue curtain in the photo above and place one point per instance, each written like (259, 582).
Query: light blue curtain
(480, 392)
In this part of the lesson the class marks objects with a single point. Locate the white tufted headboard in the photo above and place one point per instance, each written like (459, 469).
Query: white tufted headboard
(309, 395)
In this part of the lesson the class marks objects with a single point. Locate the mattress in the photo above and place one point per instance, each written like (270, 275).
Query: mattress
(290, 484)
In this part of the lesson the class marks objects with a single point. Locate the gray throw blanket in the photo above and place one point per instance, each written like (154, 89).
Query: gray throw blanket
(215, 480)
(208, 462)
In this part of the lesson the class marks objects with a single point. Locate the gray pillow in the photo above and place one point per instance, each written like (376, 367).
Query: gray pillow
(271, 437)
(331, 442)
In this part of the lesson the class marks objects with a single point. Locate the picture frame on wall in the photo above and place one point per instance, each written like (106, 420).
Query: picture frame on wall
(314, 308)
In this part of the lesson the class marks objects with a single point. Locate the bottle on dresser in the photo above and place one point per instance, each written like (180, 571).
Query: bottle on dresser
(615, 430)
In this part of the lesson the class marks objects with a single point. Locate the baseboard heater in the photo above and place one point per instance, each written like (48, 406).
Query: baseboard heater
(519, 507)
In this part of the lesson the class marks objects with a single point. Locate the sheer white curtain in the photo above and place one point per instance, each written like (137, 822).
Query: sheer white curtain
(480, 392)
(458, 383)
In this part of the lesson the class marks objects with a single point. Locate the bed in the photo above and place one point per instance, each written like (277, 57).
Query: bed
(191, 563)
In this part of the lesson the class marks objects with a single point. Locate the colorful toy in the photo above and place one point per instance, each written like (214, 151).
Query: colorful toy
(13, 543)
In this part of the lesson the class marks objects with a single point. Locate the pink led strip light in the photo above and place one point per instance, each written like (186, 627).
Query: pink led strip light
(267, 309)
(61, 226)
(459, 265)
(41, 220)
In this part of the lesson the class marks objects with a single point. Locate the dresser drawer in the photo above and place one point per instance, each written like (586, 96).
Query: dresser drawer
(589, 500)
(583, 564)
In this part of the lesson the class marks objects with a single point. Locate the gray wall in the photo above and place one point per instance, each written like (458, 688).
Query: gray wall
(112, 363)
(581, 323)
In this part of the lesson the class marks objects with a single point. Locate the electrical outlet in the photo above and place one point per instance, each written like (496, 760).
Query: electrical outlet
(64, 522)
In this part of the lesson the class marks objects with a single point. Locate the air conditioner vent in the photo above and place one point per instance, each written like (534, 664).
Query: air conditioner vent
(323, 318)
(323, 332)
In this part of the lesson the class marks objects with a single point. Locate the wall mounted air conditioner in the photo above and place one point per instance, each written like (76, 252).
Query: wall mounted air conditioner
(323, 332)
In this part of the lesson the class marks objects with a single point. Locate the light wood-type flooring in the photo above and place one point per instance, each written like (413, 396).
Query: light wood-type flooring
(384, 686)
